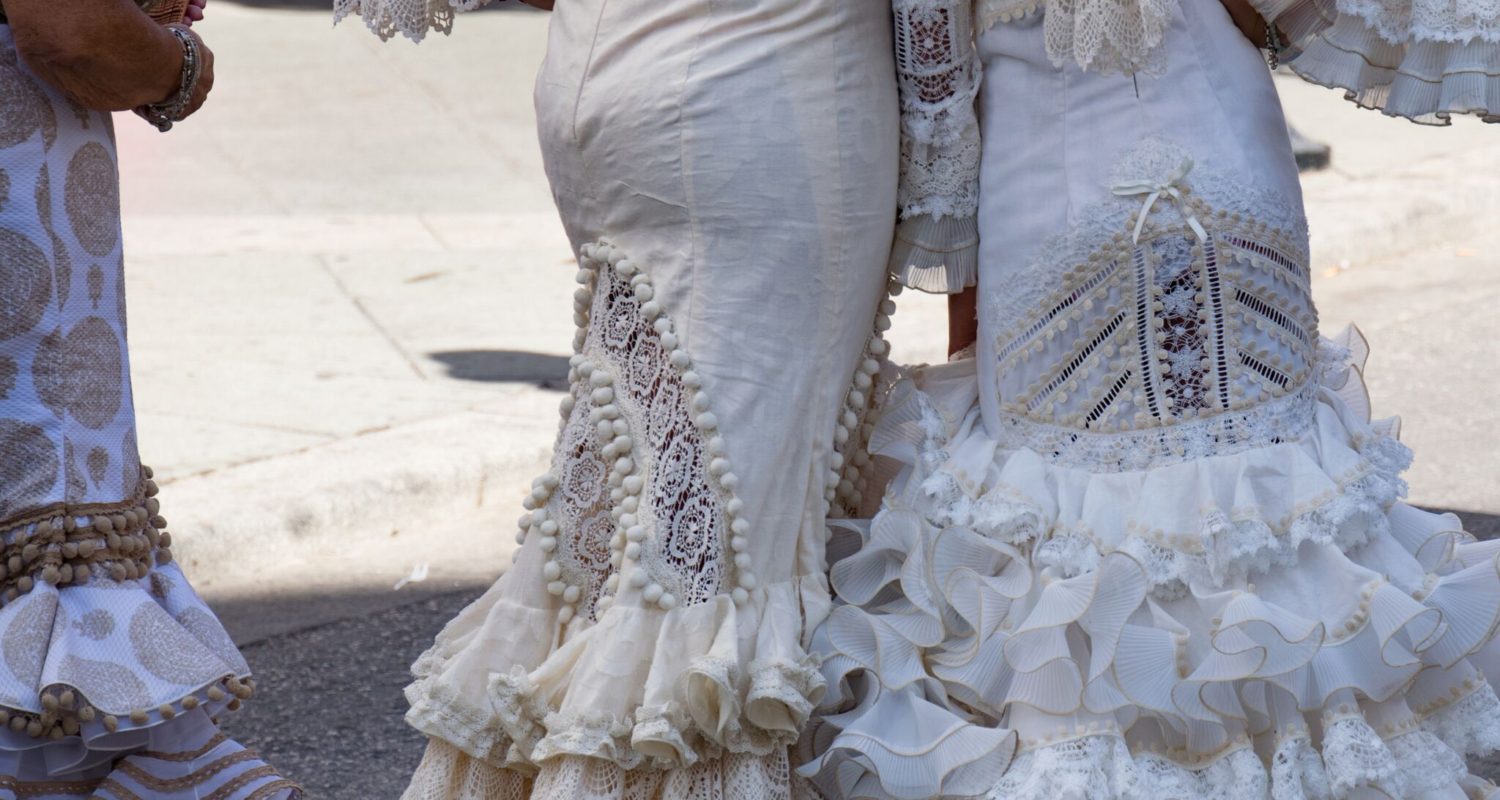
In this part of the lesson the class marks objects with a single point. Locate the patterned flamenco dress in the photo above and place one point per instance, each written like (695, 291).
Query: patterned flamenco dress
(113, 672)
(1147, 542)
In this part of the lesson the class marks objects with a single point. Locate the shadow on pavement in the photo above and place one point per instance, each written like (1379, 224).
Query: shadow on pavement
(1483, 525)
(328, 710)
(505, 366)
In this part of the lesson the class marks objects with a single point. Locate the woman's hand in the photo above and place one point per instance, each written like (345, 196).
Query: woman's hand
(1248, 20)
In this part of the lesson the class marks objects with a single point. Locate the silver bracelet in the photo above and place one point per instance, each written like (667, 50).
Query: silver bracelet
(1274, 45)
(171, 111)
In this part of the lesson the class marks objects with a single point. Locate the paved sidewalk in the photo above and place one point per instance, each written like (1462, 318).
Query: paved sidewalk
(350, 314)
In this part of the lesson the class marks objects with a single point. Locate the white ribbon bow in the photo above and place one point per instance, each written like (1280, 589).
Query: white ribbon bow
(1154, 191)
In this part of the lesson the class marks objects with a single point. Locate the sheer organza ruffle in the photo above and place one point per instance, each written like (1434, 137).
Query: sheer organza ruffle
(1269, 622)
(1425, 68)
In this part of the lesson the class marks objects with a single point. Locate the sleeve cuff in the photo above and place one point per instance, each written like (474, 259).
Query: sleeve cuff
(940, 256)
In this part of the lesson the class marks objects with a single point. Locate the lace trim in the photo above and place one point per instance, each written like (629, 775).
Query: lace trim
(410, 18)
(938, 73)
(1100, 35)
(1401, 21)
(642, 477)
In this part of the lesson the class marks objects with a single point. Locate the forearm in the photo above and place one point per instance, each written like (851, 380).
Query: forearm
(963, 319)
(105, 54)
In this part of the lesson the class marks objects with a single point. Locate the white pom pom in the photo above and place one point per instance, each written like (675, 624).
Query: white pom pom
(718, 467)
(652, 593)
(680, 359)
(547, 543)
(634, 484)
(742, 560)
(739, 544)
(691, 379)
(740, 596)
(707, 421)
(551, 570)
(639, 578)
(571, 594)
(565, 615)
(633, 551)
(729, 481)
(748, 581)
(636, 533)
(667, 602)
(740, 527)
(556, 588)
(603, 395)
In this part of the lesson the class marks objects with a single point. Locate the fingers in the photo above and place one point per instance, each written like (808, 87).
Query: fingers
(195, 11)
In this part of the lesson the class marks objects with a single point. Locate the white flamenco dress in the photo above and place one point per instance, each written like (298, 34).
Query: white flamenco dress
(1147, 542)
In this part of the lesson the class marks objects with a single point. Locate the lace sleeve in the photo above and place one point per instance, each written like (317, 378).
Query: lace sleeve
(410, 18)
(1425, 60)
(938, 72)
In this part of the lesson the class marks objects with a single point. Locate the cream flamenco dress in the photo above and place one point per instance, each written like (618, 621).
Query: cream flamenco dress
(1147, 542)
(727, 175)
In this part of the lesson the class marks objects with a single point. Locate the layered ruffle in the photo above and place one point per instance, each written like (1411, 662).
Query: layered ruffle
(940, 256)
(447, 773)
(1270, 622)
(514, 688)
(107, 652)
(1398, 63)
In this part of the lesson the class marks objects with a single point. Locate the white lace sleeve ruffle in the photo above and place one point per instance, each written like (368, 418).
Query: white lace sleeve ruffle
(938, 71)
(1425, 60)
(1100, 35)
(410, 18)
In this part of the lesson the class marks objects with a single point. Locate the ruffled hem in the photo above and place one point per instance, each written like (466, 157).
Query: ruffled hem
(1400, 73)
(940, 256)
(719, 678)
(186, 758)
(104, 641)
(1007, 603)
(447, 773)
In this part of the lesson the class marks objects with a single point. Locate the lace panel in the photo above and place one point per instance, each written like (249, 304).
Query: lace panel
(685, 557)
(938, 74)
(641, 486)
(1186, 330)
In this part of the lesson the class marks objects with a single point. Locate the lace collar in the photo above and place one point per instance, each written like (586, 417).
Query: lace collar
(1100, 35)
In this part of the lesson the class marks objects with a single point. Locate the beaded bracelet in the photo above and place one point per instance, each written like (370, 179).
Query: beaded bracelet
(164, 114)
(1274, 45)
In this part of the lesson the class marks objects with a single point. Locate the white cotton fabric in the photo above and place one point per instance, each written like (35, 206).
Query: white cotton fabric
(727, 172)
(1149, 542)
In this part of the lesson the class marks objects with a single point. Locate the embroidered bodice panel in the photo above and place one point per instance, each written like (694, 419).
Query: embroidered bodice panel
(1174, 322)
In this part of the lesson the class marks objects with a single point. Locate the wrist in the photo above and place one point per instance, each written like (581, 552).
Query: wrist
(167, 79)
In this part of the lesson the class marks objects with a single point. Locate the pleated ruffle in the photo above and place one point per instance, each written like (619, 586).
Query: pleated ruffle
(1274, 622)
(1404, 70)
